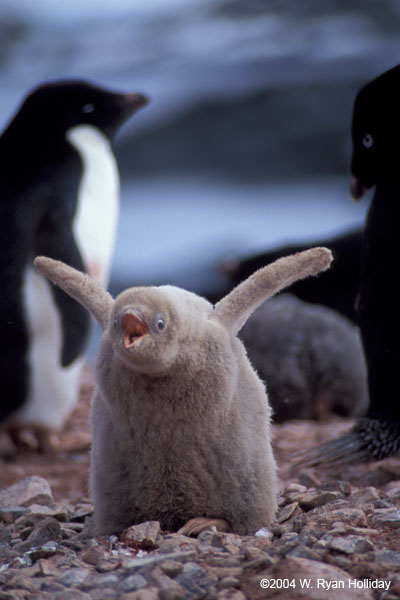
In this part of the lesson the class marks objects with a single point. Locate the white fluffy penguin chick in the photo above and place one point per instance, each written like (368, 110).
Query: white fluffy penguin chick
(181, 421)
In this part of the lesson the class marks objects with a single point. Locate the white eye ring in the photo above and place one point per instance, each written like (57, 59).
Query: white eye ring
(88, 108)
(367, 140)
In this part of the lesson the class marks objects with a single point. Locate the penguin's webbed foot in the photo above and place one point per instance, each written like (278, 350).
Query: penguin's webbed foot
(195, 526)
(31, 438)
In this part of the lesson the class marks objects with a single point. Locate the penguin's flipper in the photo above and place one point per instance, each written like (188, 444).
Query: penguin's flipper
(14, 333)
(234, 310)
(78, 285)
(61, 245)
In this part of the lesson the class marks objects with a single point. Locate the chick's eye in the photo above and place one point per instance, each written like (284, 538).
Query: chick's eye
(160, 323)
(88, 108)
(116, 322)
(367, 140)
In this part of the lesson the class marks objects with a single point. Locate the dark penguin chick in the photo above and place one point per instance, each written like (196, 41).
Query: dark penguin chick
(180, 419)
(375, 162)
(59, 195)
(339, 286)
(310, 357)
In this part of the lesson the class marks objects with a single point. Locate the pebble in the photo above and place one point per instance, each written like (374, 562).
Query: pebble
(328, 532)
(30, 490)
(351, 544)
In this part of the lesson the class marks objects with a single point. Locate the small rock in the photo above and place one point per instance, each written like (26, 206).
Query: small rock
(172, 568)
(134, 564)
(336, 486)
(252, 552)
(212, 538)
(312, 499)
(55, 510)
(108, 565)
(45, 531)
(45, 551)
(301, 551)
(11, 513)
(47, 568)
(5, 535)
(102, 580)
(144, 531)
(82, 511)
(287, 542)
(286, 512)
(170, 588)
(195, 582)
(294, 487)
(350, 516)
(71, 527)
(228, 582)
(388, 558)
(75, 577)
(92, 556)
(170, 594)
(132, 583)
(392, 486)
(264, 532)
(388, 519)
(351, 544)
(30, 490)
(367, 494)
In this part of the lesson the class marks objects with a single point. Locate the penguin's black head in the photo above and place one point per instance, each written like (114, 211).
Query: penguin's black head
(374, 131)
(57, 106)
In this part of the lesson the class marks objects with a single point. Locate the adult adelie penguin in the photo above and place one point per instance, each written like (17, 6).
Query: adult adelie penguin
(375, 132)
(59, 195)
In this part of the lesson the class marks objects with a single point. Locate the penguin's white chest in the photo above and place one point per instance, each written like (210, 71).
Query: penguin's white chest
(97, 211)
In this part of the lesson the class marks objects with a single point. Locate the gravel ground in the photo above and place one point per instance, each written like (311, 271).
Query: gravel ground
(336, 534)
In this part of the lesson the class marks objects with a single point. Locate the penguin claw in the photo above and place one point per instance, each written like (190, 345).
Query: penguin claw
(195, 526)
(35, 437)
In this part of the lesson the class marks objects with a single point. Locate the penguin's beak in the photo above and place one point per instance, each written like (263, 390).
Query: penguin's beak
(134, 101)
(133, 329)
(357, 188)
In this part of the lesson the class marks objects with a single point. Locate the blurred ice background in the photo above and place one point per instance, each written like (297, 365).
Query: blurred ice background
(246, 143)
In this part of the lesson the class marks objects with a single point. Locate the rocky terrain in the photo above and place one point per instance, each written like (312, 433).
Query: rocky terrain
(336, 534)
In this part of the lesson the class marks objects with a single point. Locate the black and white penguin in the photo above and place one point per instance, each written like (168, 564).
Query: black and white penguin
(59, 195)
(375, 162)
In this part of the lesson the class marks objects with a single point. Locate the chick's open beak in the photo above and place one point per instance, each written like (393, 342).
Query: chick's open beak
(133, 329)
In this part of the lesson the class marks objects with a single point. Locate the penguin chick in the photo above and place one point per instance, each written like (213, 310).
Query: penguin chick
(180, 419)
(59, 196)
(311, 358)
(375, 163)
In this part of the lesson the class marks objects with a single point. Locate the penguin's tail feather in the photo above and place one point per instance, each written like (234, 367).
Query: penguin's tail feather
(369, 440)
